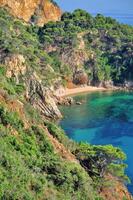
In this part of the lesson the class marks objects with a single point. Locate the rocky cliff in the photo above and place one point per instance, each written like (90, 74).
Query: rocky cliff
(38, 11)
(35, 66)
(42, 99)
(114, 191)
(39, 96)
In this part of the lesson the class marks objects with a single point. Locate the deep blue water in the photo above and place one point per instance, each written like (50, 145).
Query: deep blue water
(103, 118)
(121, 17)
(125, 19)
(122, 10)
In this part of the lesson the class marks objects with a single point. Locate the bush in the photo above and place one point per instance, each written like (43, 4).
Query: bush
(29, 167)
(58, 133)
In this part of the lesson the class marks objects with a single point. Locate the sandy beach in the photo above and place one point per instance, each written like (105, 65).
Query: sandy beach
(78, 90)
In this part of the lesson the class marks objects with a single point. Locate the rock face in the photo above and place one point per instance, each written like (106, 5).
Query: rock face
(41, 98)
(15, 66)
(116, 190)
(75, 58)
(80, 77)
(67, 101)
(41, 11)
(128, 84)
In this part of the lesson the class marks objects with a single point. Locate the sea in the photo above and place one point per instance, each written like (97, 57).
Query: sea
(103, 118)
(123, 18)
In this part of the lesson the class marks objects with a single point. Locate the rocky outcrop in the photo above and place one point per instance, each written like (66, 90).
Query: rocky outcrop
(75, 58)
(67, 101)
(38, 11)
(128, 85)
(80, 77)
(116, 190)
(42, 99)
(15, 66)
(47, 11)
(106, 84)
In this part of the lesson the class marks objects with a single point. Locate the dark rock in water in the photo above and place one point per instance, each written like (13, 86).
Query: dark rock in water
(70, 100)
(66, 101)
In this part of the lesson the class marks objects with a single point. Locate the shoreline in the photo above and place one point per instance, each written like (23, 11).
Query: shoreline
(85, 89)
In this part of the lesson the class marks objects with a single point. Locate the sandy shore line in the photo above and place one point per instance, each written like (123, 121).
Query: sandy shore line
(78, 90)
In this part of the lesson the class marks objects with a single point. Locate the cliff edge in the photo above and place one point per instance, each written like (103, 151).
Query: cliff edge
(37, 11)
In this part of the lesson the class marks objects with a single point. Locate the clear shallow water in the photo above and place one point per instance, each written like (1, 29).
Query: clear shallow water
(103, 118)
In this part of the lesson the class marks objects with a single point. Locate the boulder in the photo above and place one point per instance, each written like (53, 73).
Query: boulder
(65, 101)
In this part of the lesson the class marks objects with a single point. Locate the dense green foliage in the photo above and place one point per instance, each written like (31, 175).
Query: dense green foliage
(98, 160)
(58, 133)
(29, 168)
(110, 43)
(18, 38)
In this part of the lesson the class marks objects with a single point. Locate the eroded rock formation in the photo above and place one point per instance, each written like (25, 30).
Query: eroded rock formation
(15, 65)
(40, 11)
(41, 98)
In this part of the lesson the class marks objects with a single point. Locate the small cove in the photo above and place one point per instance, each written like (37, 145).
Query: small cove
(103, 118)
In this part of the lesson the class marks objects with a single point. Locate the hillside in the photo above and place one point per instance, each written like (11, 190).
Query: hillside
(38, 161)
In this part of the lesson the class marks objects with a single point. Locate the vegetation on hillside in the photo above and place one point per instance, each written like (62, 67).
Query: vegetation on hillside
(97, 160)
(110, 43)
(109, 46)
(30, 168)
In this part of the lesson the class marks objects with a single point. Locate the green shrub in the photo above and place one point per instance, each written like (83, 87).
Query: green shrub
(58, 133)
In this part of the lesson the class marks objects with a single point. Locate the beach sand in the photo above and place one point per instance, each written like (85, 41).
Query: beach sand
(78, 90)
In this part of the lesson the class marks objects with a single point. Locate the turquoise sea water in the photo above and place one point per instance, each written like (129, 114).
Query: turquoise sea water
(103, 118)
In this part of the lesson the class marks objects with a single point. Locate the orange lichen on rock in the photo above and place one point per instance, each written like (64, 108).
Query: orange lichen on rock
(44, 9)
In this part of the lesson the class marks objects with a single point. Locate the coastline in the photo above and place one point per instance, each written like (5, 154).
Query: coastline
(84, 89)
(119, 187)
